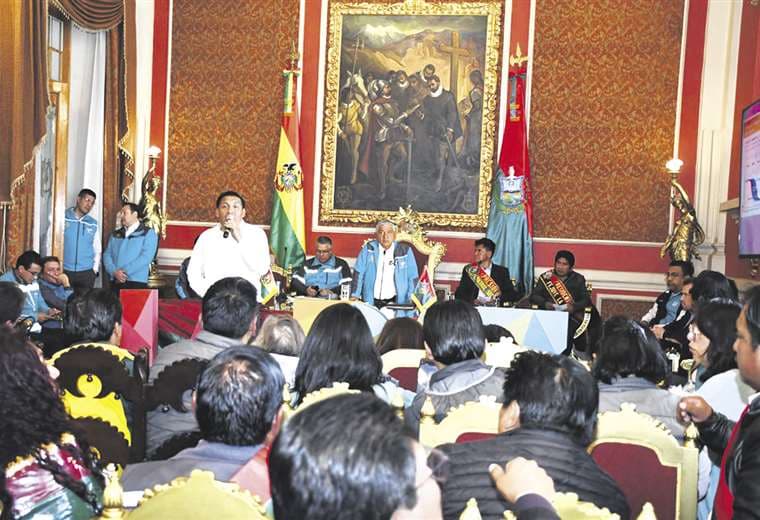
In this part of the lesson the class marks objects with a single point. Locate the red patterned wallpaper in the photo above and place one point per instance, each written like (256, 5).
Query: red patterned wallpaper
(225, 102)
(633, 309)
(603, 106)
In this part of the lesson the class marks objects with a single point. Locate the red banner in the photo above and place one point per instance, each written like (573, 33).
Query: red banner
(514, 146)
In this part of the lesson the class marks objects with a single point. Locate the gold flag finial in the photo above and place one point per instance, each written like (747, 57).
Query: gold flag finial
(290, 75)
(517, 59)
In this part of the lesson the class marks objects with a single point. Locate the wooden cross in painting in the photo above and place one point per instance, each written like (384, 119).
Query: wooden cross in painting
(456, 52)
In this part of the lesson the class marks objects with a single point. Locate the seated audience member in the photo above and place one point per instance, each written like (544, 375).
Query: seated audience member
(454, 340)
(712, 284)
(629, 366)
(483, 282)
(229, 312)
(54, 284)
(669, 303)
(494, 333)
(322, 275)
(351, 457)
(55, 290)
(564, 289)
(669, 317)
(339, 348)
(549, 415)
(231, 248)
(737, 495)
(713, 334)
(28, 268)
(94, 318)
(130, 251)
(711, 340)
(385, 271)
(237, 405)
(400, 333)
(283, 337)
(47, 471)
(11, 303)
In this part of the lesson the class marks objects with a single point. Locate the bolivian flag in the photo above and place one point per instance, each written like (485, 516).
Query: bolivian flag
(287, 235)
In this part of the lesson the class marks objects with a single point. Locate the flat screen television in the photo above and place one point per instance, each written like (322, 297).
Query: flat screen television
(749, 198)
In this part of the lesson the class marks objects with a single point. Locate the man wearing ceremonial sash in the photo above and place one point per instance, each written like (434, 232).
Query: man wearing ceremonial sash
(483, 282)
(563, 289)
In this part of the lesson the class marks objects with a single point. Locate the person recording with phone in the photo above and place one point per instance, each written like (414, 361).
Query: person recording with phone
(230, 248)
(323, 275)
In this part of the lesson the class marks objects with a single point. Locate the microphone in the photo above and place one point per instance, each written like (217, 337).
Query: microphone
(226, 233)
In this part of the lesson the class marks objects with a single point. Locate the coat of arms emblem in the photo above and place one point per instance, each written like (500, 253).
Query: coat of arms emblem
(289, 178)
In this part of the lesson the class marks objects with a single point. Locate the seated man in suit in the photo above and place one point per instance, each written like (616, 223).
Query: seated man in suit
(322, 275)
(237, 404)
(483, 282)
(563, 289)
(548, 415)
(385, 271)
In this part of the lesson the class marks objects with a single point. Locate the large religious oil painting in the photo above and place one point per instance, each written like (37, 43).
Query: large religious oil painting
(410, 111)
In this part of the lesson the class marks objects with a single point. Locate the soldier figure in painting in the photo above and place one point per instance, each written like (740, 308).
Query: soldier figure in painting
(388, 132)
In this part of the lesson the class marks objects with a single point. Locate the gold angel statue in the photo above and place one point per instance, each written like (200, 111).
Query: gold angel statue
(153, 215)
(687, 234)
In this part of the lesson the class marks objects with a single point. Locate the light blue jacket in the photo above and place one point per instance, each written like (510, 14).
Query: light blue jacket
(79, 236)
(405, 274)
(34, 303)
(133, 254)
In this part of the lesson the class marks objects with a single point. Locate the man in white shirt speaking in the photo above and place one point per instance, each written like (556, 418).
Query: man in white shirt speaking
(230, 248)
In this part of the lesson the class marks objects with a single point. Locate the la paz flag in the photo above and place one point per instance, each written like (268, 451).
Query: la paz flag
(510, 220)
(514, 145)
(288, 231)
(424, 294)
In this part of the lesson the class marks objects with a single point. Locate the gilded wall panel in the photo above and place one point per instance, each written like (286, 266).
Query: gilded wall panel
(225, 102)
(602, 117)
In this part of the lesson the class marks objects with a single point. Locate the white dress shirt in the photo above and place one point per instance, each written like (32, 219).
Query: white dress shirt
(131, 229)
(215, 257)
(385, 286)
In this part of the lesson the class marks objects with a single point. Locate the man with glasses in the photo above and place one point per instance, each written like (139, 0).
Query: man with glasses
(323, 275)
(667, 308)
(28, 268)
(670, 315)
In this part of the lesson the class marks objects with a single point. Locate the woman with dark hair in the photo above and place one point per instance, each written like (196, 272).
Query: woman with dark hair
(711, 339)
(712, 284)
(400, 333)
(629, 366)
(47, 471)
(340, 348)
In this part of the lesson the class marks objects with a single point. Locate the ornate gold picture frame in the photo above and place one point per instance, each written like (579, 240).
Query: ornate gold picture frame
(410, 109)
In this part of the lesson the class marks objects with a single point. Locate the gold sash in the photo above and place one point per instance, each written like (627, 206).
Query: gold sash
(483, 281)
(556, 288)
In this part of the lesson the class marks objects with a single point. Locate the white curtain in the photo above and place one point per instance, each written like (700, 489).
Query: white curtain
(44, 161)
(86, 118)
(144, 14)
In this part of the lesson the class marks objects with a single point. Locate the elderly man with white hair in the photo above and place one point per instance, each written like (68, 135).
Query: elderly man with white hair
(385, 271)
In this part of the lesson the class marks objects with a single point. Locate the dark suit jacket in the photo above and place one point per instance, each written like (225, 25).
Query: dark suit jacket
(468, 291)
